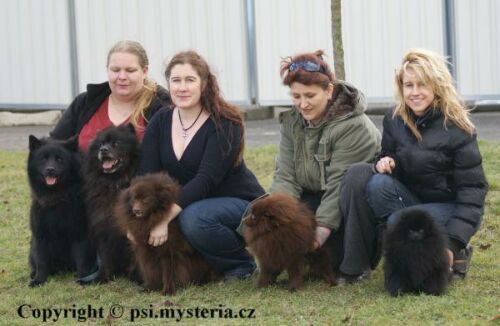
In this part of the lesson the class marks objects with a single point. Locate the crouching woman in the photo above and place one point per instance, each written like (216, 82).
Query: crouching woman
(324, 134)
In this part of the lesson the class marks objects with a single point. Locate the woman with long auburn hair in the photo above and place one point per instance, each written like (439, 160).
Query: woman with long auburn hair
(199, 141)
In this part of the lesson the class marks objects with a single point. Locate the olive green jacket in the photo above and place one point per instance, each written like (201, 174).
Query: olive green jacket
(315, 158)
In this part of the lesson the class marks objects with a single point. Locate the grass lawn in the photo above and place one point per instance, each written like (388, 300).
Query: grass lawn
(476, 300)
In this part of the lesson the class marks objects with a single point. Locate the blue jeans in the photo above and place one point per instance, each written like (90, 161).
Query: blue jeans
(209, 225)
(387, 197)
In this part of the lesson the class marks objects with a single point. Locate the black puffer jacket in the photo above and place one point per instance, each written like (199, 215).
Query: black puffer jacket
(445, 166)
(86, 104)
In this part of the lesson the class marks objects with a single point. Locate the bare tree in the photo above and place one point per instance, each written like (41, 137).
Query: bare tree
(338, 46)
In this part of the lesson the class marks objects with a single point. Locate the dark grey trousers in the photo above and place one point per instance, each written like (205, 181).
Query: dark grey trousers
(357, 244)
(362, 235)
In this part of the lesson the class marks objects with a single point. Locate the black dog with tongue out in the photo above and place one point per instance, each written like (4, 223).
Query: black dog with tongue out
(110, 164)
(58, 221)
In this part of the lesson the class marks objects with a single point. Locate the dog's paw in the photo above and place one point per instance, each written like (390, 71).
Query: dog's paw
(86, 282)
(33, 283)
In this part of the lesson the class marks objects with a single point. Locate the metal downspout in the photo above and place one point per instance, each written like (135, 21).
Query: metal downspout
(253, 90)
(73, 52)
(450, 35)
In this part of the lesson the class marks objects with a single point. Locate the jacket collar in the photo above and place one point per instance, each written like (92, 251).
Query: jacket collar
(430, 115)
(98, 90)
(346, 101)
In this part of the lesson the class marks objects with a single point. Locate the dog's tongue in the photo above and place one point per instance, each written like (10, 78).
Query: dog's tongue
(50, 180)
(108, 164)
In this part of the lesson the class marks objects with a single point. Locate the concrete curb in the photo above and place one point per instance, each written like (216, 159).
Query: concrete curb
(51, 117)
(29, 119)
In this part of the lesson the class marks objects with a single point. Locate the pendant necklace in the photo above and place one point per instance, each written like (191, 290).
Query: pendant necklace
(185, 130)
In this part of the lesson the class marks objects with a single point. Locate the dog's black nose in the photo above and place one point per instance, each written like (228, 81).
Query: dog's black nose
(104, 149)
(50, 170)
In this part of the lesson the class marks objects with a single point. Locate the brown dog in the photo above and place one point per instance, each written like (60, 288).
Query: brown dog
(175, 263)
(280, 232)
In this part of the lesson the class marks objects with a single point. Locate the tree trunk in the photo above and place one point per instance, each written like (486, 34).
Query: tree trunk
(338, 46)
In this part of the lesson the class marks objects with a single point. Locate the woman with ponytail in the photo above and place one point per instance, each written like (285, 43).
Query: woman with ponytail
(199, 142)
(128, 96)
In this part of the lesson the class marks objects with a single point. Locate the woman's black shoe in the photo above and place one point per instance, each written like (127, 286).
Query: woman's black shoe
(462, 262)
(351, 279)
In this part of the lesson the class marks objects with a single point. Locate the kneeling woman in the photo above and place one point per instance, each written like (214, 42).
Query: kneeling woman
(321, 137)
(199, 142)
(430, 158)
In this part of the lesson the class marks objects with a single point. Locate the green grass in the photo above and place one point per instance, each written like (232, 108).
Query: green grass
(476, 300)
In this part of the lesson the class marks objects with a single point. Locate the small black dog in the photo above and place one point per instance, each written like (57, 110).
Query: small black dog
(110, 164)
(58, 222)
(415, 255)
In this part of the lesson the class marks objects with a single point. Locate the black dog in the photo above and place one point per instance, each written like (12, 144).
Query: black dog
(110, 164)
(415, 255)
(58, 222)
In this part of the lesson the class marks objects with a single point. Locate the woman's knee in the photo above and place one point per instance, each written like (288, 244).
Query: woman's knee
(393, 218)
(201, 226)
(359, 170)
(190, 222)
(378, 185)
(356, 177)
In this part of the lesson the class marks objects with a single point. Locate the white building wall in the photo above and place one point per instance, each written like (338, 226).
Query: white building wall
(285, 28)
(478, 48)
(215, 29)
(376, 34)
(35, 45)
(34, 52)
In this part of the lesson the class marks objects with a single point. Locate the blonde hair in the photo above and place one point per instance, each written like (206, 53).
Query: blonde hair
(431, 68)
(144, 98)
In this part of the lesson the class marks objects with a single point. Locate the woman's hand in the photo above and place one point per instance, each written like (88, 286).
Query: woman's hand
(130, 237)
(450, 258)
(322, 234)
(159, 233)
(385, 165)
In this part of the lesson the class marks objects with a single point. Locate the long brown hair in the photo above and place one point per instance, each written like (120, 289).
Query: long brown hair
(432, 70)
(144, 98)
(211, 98)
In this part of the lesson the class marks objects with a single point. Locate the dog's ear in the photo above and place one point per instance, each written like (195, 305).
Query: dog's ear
(72, 143)
(125, 196)
(34, 143)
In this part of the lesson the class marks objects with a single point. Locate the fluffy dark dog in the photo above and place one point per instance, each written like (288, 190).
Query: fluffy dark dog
(280, 232)
(175, 263)
(415, 255)
(110, 164)
(58, 222)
